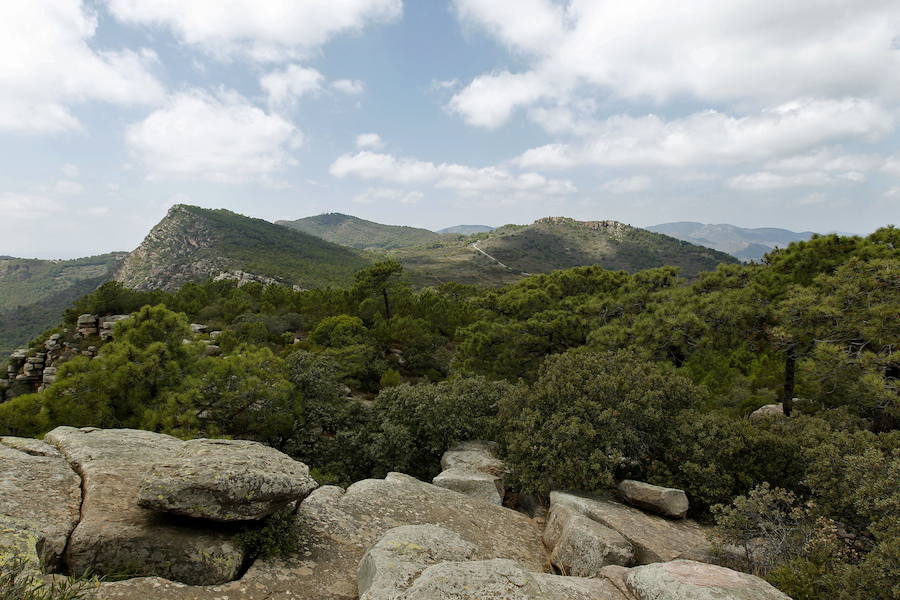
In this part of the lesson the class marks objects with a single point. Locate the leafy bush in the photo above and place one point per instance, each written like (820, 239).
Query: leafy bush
(273, 537)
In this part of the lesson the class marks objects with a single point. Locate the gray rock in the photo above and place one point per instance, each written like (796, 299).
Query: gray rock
(769, 410)
(198, 328)
(109, 322)
(584, 547)
(401, 555)
(225, 480)
(86, 320)
(668, 502)
(689, 580)
(472, 468)
(115, 535)
(502, 579)
(654, 538)
(40, 497)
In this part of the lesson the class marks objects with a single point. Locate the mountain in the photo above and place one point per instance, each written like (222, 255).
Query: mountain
(358, 233)
(193, 243)
(33, 293)
(743, 243)
(512, 251)
(466, 229)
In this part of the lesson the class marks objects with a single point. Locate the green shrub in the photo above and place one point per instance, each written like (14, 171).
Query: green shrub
(273, 537)
(18, 581)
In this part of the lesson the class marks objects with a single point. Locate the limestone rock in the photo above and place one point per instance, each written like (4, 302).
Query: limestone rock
(117, 536)
(584, 547)
(668, 502)
(472, 468)
(689, 580)
(225, 480)
(654, 538)
(402, 554)
(769, 410)
(40, 498)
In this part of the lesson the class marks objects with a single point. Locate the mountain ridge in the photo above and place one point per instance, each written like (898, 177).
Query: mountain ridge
(744, 243)
(361, 234)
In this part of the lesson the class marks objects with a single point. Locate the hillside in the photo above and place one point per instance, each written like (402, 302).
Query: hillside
(34, 292)
(354, 232)
(507, 253)
(193, 243)
(466, 229)
(740, 242)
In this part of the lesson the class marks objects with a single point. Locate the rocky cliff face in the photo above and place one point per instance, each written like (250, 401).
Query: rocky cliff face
(168, 256)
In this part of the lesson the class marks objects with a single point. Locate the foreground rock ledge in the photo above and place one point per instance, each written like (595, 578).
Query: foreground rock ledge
(689, 580)
(225, 480)
(115, 536)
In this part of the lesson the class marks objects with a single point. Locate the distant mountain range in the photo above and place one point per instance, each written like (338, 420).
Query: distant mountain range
(354, 232)
(193, 243)
(740, 242)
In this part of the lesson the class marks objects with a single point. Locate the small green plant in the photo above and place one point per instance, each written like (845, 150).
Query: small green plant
(274, 537)
(389, 379)
(18, 581)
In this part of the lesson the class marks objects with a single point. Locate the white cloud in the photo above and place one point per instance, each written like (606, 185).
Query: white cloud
(765, 180)
(70, 170)
(462, 179)
(627, 185)
(220, 138)
(65, 187)
(273, 30)
(27, 207)
(741, 51)
(351, 87)
(372, 195)
(828, 159)
(369, 140)
(284, 87)
(714, 137)
(47, 66)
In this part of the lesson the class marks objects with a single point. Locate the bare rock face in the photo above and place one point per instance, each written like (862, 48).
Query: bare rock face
(668, 502)
(689, 580)
(225, 480)
(40, 500)
(473, 469)
(117, 536)
(768, 411)
(654, 538)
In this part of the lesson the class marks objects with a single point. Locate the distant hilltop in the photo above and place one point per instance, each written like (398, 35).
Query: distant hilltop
(740, 242)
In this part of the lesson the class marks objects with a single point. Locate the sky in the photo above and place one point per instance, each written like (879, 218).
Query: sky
(432, 113)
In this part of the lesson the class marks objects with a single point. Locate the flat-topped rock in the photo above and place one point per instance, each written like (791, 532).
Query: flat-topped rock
(583, 546)
(668, 502)
(689, 580)
(115, 535)
(654, 538)
(30, 446)
(40, 500)
(474, 455)
(225, 480)
(482, 486)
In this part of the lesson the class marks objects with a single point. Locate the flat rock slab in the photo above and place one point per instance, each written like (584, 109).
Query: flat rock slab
(116, 536)
(335, 528)
(584, 547)
(654, 538)
(668, 502)
(40, 500)
(475, 455)
(225, 480)
(472, 468)
(30, 446)
(689, 580)
(475, 484)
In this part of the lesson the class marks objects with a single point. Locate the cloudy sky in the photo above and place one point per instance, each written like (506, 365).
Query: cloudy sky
(434, 113)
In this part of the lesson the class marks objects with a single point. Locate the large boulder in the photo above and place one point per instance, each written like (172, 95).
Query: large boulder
(582, 547)
(225, 480)
(473, 469)
(668, 502)
(336, 527)
(689, 580)
(654, 538)
(115, 535)
(767, 411)
(40, 499)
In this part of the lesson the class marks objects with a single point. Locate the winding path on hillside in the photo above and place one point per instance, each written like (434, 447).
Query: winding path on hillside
(508, 268)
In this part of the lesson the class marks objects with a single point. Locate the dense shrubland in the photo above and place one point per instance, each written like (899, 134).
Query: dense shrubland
(584, 376)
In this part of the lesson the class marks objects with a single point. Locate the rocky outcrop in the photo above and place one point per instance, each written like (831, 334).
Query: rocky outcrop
(689, 580)
(768, 411)
(668, 502)
(654, 538)
(582, 547)
(115, 535)
(225, 480)
(40, 500)
(473, 469)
